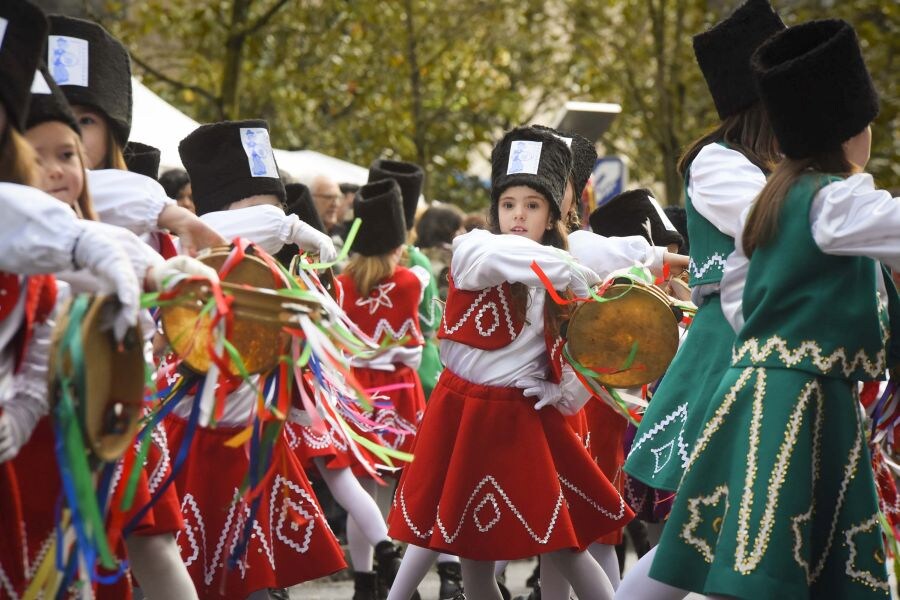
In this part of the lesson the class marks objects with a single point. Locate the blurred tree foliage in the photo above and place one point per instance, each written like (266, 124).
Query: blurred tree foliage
(436, 81)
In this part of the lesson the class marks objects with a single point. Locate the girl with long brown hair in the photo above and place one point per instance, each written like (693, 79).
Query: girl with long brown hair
(498, 473)
(778, 497)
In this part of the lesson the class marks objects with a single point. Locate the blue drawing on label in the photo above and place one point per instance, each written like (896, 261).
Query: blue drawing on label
(62, 58)
(257, 154)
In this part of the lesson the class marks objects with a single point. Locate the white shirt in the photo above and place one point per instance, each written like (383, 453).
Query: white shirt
(127, 199)
(265, 225)
(38, 233)
(847, 218)
(723, 183)
(482, 260)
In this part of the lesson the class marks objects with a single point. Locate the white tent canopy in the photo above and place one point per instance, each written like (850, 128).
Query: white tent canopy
(161, 125)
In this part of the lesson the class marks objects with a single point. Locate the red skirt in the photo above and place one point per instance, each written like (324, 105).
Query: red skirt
(402, 411)
(12, 540)
(604, 442)
(292, 542)
(494, 479)
(332, 444)
(39, 495)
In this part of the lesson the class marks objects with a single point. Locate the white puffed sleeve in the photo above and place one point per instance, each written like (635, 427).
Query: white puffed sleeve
(482, 259)
(127, 199)
(265, 225)
(141, 256)
(603, 255)
(734, 278)
(38, 233)
(722, 184)
(853, 218)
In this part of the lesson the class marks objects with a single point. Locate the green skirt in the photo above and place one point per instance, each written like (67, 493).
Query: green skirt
(666, 435)
(778, 498)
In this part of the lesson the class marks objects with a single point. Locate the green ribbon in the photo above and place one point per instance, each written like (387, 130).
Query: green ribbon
(76, 453)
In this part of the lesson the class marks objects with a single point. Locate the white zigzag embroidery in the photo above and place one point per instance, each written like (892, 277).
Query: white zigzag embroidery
(507, 316)
(158, 437)
(863, 576)
(716, 260)
(6, 585)
(810, 349)
(680, 411)
(491, 498)
(408, 327)
(283, 511)
(191, 504)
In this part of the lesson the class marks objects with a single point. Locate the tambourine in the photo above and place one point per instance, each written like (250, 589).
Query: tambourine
(259, 312)
(104, 379)
(630, 339)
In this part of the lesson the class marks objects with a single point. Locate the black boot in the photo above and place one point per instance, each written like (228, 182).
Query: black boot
(451, 580)
(387, 563)
(365, 586)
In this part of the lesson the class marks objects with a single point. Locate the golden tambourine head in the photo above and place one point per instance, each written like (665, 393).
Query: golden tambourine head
(109, 406)
(259, 315)
(636, 319)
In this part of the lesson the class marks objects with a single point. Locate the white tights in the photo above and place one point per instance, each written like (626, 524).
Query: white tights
(606, 557)
(158, 568)
(365, 525)
(582, 572)
(637, 584)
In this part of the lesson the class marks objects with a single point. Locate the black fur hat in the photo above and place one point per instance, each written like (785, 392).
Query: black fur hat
(815, 86)
(584, 156)
(534, 158)
(143, 159)
(299, 202)
(724, 52)
(104, 83)
(22, 43)
(380, 206)
(48, 103)
(409, 176)
(230, 161)
(629, 213)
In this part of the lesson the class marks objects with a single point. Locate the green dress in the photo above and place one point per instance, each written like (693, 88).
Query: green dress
(778, 498)
(673, 419)
(429, 320)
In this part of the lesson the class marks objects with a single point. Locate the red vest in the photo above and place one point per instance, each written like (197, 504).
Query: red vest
(483, 319)
(40, 297)
(390, 310)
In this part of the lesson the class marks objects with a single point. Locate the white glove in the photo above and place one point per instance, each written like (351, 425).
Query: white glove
(96, 252)
(309, 238)
(550, 394)
(170, 272)
(582, 279)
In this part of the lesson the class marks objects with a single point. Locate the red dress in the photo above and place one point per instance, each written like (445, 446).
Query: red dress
(493, 478)
(390, 311)
(291, 540)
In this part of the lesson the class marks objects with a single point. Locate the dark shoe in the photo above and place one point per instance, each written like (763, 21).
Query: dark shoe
(387, 563)
(451, 580)
(365, 586)
(279, 594)
(504, 591)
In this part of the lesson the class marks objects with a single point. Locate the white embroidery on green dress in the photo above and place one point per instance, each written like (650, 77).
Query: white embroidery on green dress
(680, 411)
(808, 515)
(717, 260)
(713, 424)
(657, 452)
(760, 351)
(861, 576)
(693, 506)
(746, 562)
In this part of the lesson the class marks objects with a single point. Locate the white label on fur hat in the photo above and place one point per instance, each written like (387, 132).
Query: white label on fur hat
(259, 152)
(67, 58)
(3, 23)
(524, 157)
(39, 85)
(565, 140)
